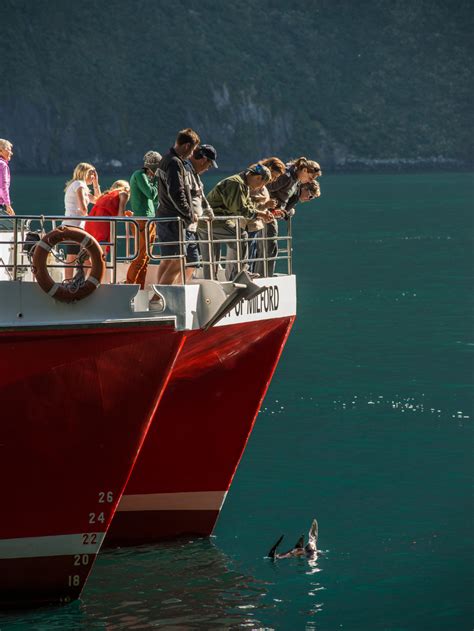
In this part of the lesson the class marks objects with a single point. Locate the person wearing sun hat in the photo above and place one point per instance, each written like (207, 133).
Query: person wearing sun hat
(143, 199)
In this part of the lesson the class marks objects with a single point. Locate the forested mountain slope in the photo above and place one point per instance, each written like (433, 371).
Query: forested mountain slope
(349, 83)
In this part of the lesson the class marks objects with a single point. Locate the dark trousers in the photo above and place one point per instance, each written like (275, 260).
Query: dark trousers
(222, 230)
(267, 249)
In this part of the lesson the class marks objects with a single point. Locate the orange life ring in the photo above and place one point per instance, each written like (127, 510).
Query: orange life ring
(66, 292)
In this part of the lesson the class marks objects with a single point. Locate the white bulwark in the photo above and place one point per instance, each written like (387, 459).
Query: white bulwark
(277, 301)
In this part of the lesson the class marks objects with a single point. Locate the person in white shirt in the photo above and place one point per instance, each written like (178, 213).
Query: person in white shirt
(77, 197)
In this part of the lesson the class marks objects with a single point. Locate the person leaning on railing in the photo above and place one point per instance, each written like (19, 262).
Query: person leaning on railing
(143, 199)
(231, 197)
(262, 200)
(284, 189)
(111, 203)
(6, 153)
(309, 191)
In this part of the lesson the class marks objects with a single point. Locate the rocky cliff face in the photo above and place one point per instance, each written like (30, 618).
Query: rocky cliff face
(350, 84)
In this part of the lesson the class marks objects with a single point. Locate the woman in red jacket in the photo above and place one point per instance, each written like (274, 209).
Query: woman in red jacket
(110, 204)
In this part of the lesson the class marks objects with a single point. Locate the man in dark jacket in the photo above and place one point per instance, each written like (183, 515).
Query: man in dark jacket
(203, 158)
(175, 202)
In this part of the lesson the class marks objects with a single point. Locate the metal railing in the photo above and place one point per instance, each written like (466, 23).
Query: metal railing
(210, 246)
(123, 245)
(20, 229)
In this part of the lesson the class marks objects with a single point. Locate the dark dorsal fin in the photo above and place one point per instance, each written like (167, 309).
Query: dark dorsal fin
(272, 552)
(300, 542)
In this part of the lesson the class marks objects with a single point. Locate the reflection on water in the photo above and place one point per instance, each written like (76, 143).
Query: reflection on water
(182, 585)
(177, 585)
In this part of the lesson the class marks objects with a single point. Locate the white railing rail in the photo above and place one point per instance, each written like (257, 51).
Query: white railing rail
(16, 237)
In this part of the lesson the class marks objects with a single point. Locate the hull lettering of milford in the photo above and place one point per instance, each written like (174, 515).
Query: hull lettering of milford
(268, 300)
(239, 307)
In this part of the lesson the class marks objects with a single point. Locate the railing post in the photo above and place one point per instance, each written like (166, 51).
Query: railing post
(15, 247)
(114, 256)
(182, 239)
(127, 239)
(289, 246)
(22, 241)
(210, 245)
(239, 244)
(265, 250)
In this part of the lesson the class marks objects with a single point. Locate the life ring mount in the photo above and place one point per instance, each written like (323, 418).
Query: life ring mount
(68, 291)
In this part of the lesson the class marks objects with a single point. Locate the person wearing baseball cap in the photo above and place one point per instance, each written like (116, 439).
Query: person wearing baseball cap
(143, 199)
(206, 151)
(202, 159)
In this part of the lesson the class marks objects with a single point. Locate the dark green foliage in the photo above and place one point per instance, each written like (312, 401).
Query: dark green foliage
(340, 81)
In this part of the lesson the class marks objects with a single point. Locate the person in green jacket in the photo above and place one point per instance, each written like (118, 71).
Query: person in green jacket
(143, 199)
(230, 198)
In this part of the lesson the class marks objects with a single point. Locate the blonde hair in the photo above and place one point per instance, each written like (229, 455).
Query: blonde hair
(118, 185)
(80, 172)
(5, 144)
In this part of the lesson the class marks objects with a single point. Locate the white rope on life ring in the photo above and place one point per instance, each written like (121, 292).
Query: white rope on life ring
(66, 292)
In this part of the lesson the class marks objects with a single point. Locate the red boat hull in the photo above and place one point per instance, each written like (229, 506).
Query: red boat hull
(199, 432)
(76, 404)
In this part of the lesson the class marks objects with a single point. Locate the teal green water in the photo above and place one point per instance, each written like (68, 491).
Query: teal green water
(367, 426)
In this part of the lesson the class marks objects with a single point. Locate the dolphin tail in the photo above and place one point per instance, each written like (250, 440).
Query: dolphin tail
(272, 552)
(300, 543)
(313, 534)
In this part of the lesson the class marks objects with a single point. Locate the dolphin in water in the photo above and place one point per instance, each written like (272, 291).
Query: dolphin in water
(309, 551)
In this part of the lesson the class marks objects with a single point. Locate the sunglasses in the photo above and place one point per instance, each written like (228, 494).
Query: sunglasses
(263, 171)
